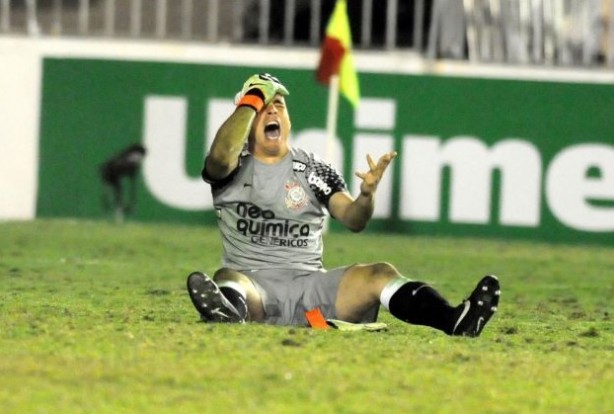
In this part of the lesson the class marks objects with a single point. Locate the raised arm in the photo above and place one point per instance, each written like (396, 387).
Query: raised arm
(229, 141)
(355, 213)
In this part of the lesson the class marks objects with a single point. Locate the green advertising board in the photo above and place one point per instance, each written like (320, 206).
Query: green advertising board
(477, 157)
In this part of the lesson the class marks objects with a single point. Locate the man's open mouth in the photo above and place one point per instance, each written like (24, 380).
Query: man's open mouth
(272, 130)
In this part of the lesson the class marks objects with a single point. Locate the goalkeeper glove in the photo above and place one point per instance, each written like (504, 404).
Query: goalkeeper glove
(258, 91)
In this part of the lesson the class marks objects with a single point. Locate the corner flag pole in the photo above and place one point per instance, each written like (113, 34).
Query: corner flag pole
(331, 127)
(331, 117)
(336, 70)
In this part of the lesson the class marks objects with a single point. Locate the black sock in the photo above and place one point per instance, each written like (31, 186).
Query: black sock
(419, 304)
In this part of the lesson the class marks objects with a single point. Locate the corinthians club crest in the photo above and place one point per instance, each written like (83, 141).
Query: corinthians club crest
(296, 198)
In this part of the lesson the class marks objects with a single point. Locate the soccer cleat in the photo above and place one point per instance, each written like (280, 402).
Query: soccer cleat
(210, 302)
(475, 311)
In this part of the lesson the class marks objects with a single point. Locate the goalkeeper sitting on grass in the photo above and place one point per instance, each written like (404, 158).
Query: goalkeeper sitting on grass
(271, 200)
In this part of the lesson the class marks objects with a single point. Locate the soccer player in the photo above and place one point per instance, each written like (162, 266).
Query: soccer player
(271, 200)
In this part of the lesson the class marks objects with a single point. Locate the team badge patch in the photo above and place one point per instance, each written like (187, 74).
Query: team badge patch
(296, 198)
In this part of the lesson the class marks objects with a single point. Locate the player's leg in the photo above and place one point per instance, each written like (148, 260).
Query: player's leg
(239, 288)
(364, 286)
(223, 300)
(359, 290)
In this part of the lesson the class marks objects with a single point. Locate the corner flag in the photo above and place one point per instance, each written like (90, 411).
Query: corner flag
(336, 57)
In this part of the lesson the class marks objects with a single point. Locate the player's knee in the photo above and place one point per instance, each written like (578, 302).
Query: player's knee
(229, 275)
(224, 274)
(366, 281)
(381, 270)
(376, 273)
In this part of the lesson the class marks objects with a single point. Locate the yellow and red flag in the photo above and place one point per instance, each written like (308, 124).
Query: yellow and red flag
(336, 57)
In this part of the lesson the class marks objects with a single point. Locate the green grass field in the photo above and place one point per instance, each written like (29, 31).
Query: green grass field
(94, 318)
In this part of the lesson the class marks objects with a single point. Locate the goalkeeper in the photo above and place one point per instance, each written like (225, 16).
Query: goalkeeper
(271, 200)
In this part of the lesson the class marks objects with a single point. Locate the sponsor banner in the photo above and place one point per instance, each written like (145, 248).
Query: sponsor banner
(477, 157)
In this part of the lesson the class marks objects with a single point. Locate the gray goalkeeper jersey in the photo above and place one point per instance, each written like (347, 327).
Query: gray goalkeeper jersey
(271, 216)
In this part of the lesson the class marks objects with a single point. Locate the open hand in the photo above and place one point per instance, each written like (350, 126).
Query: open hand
(370, 179)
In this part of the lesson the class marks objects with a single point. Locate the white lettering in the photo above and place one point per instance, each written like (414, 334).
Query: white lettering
(298, 166)
(571, 189)
(379, 116)
(471, 165)
(376, 113)
(579, 185)
(319, 183)
(165, 139)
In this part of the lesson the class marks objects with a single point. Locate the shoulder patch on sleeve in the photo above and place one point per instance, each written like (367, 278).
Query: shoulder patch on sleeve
(298, 166)
(323, 179)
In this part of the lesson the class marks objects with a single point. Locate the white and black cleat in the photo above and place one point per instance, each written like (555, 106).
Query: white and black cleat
(475, 311)
(209, 300)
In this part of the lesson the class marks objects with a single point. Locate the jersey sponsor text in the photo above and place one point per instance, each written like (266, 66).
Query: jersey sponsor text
(265, 230)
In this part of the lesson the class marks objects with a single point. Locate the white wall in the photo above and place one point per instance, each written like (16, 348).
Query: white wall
(20, 86)
(19, 101)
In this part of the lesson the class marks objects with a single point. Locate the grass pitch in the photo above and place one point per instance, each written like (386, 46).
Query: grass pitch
(94, 318)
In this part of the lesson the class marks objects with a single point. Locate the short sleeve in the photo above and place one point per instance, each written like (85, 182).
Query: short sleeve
(324, 180)
(217, 184)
